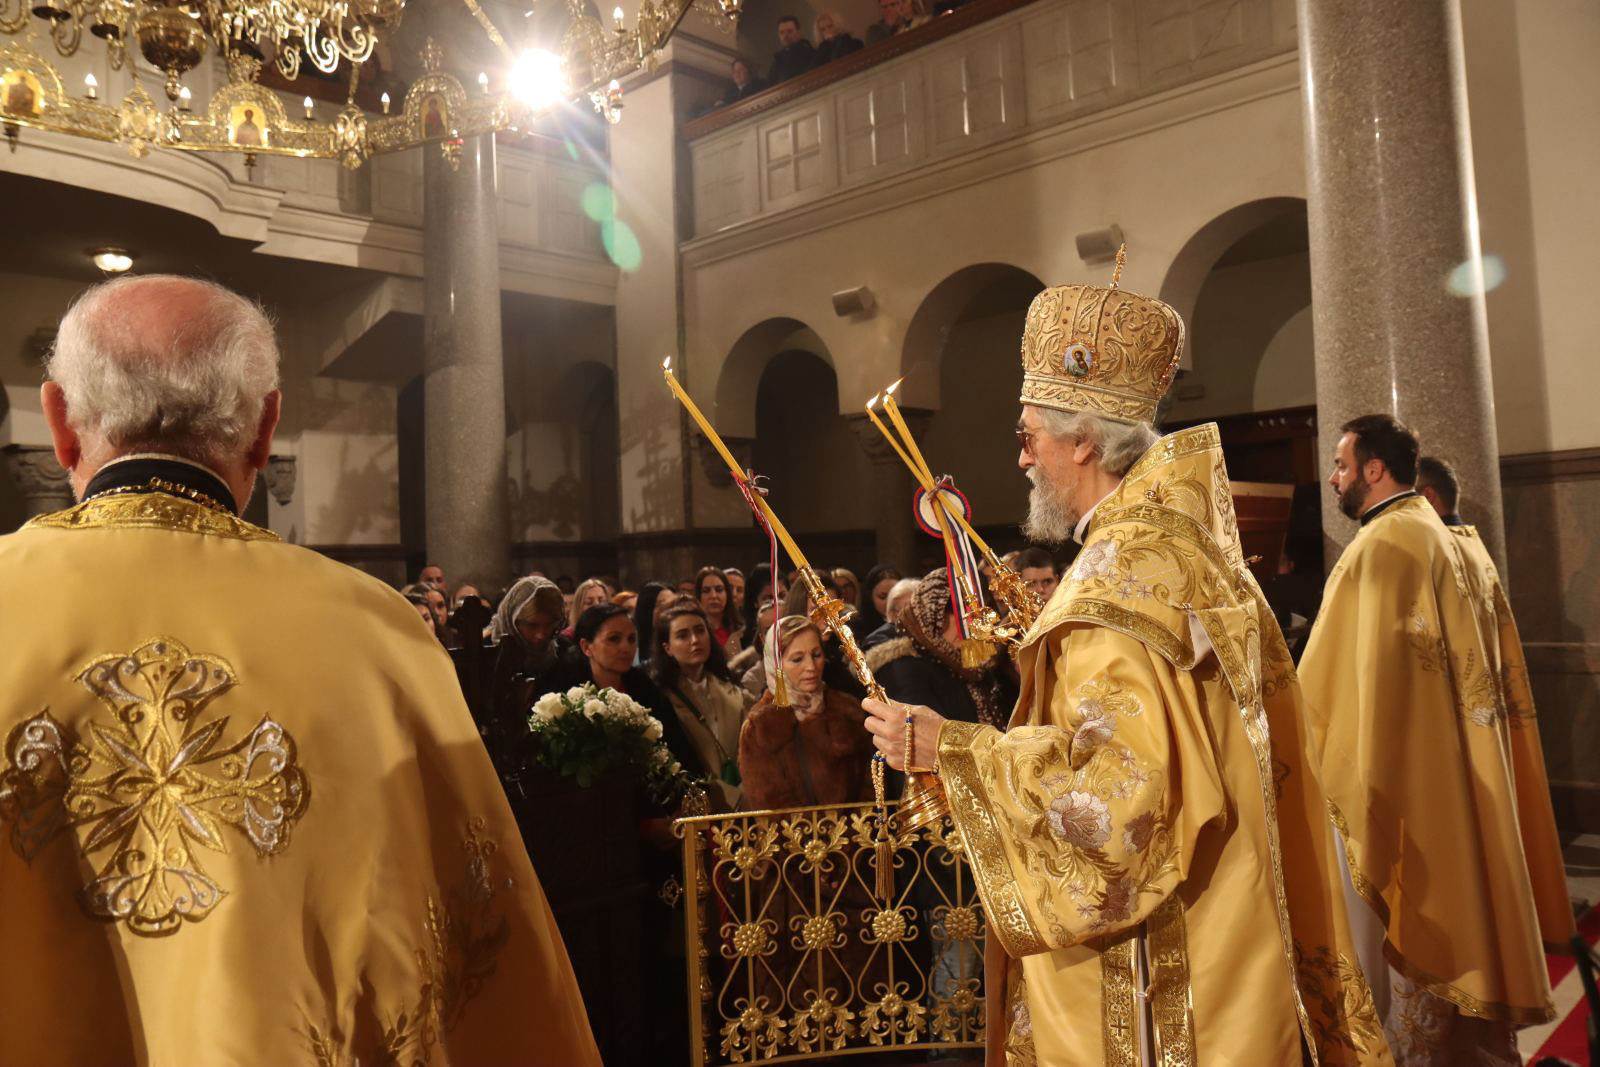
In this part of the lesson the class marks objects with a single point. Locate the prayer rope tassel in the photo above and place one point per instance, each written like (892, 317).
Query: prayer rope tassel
(884, 847)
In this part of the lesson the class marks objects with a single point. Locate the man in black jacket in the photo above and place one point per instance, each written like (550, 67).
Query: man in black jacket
(796, 56)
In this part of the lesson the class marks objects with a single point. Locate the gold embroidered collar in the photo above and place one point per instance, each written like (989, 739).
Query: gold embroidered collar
(151, 509)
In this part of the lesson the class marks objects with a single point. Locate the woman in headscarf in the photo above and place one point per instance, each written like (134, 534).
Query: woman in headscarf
(525, 629)
(688, 665)
(923, 663)
(814, 750)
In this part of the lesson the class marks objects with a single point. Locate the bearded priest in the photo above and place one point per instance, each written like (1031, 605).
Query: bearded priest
(247, 816)
(1421, 712)
(1150, 843)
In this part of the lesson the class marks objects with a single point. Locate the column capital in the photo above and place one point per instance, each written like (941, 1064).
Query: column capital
(879, 451)
(42, 481)
(712, 464)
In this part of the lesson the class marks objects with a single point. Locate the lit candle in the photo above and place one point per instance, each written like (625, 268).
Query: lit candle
(711, 435)
(384, 100)
(616, 16)
(184, 98)
(309, 106)
(91, 87)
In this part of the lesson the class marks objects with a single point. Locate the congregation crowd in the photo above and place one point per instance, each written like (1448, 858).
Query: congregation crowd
(830, 40)
(699, 654)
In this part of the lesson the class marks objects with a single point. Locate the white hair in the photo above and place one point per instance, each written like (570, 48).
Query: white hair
(1118, 444)
(165, 363)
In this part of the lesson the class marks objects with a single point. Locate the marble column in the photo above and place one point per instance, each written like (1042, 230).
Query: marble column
(39, 478)
(1396, 273)
(468, 524)
(891, 487)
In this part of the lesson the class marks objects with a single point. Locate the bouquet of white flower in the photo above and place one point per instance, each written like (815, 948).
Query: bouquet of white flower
(587, 732)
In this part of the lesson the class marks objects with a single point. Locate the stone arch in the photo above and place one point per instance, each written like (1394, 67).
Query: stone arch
(734, 413)
(1200, 253)
(972, 292)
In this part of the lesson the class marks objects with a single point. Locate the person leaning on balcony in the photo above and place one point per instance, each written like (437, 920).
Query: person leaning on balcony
(745, 83)
(812, 751)
(795, 57)
(832, 40)
(889, 25)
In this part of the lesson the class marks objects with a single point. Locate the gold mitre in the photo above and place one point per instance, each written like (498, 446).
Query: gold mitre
(1100, 350)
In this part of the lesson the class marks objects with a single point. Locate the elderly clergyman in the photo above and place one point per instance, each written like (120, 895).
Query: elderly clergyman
(1148, 837)
(237, 831)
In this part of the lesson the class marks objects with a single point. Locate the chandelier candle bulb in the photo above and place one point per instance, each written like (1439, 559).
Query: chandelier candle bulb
(185, 98)
(483, 83)
(617, 16)
(384, 100)
(309, 105)
(91, 87)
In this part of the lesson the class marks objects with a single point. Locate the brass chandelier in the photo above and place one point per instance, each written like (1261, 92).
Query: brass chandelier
(244, 116)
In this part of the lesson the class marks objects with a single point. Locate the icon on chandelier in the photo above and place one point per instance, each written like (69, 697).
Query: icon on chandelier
(246, 128)
(20, 93)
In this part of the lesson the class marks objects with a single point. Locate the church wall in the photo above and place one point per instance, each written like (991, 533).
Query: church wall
(1247, 150)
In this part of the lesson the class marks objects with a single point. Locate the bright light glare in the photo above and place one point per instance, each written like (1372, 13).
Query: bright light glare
(112, 260)
(537, 79)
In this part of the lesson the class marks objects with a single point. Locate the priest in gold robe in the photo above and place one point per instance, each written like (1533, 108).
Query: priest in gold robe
(246, 816)
(1148, 839)
(1421, 712)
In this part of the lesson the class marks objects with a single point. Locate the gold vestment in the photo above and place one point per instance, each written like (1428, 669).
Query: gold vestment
(247, 817)
(1149, 823)
(1423, 720)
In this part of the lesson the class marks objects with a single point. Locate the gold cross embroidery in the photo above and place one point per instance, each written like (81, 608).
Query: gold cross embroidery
(152, 786)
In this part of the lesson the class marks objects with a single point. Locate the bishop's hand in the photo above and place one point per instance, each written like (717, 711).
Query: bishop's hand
(886, 722)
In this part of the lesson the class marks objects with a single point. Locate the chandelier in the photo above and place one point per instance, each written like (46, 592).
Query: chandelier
(244, 116)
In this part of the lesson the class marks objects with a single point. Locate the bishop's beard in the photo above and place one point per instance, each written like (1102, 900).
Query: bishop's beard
(1051, 516)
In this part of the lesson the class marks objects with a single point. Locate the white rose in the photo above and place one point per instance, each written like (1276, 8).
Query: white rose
(547, 707)
(675, 768)
(652, 727)
(594, 708)
(660, 756)
(576, 694)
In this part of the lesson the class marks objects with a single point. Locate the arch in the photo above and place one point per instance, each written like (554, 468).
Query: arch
(971, 292)
(1199, 254)
(734, 414)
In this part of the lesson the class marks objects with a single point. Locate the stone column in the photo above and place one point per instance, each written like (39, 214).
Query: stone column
(1396, 275)
(40, 480)
(892, 487)
(468, 524)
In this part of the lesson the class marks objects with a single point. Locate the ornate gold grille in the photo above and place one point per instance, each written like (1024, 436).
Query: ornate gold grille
(790, 955)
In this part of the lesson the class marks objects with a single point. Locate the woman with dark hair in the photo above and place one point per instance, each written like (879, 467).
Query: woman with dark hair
(759, 587)
(687, 663)
(814, 749)
(712, 595)
(607, 645)
(735, 578)
(874, 597)
(654, 598)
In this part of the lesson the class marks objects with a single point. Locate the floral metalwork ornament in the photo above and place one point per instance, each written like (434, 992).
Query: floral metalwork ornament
(154, 788)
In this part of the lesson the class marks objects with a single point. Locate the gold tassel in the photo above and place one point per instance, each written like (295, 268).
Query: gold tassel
(883, 848)
(975, 652)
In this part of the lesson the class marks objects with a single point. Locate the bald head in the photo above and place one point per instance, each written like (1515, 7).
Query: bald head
(161, 363)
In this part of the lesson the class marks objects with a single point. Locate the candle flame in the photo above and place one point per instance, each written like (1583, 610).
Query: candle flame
(666, 364)
(890, 391)
(873, 402)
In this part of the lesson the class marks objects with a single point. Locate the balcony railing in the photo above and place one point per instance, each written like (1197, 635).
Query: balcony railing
(792, 956)
(959, 91)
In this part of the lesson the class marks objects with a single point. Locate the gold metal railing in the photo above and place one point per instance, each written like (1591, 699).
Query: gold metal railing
(791, 957)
